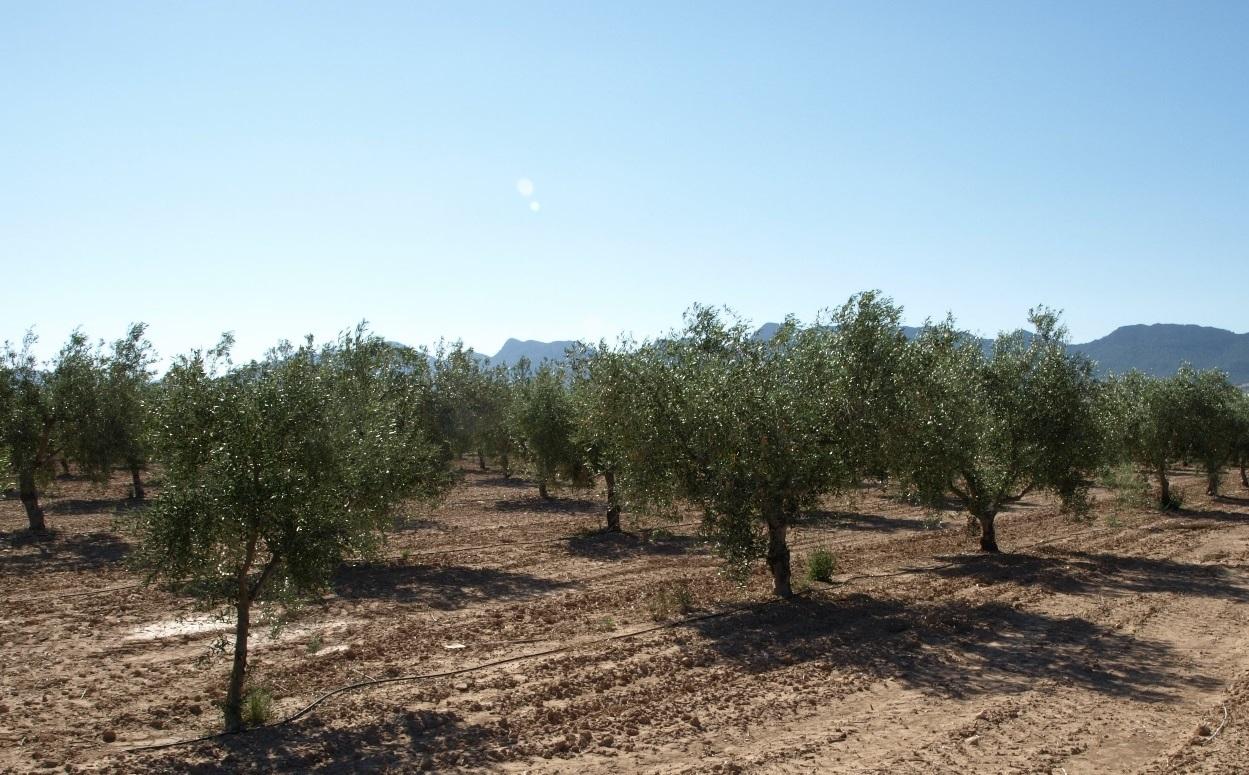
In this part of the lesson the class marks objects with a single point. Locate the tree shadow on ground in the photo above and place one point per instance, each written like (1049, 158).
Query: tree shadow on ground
(70, 506)
(1231, 499)
(1212, 515)
(401, 740)
(487, 479)
(553, 506)
(442, 587)
(416, 524)
(604, 545)
(1077, 573)
(954, 649)
(849, 520)
(58, 551)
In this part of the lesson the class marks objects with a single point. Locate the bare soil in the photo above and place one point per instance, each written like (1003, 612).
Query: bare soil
(1115, 645)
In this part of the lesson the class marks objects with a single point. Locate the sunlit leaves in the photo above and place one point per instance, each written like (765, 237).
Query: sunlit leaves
(306, 452)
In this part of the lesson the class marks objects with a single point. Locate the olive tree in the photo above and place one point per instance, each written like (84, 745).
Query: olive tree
(1150, 426)
(754, 431)
(26, 420)
(1162, 421)
(990, 427)
(128, 390)
(49, 413)
(105, 394)
(495, 408)
(543, 420)
(278, 470)
(459, 387)
(1211, 405)
(1240, 446)
(604, 401)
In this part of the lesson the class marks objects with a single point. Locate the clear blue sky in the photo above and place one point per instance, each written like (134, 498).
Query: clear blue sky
(284, 168)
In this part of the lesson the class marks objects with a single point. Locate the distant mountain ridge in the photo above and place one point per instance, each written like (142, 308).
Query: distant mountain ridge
(1157, 349)
(514, 349)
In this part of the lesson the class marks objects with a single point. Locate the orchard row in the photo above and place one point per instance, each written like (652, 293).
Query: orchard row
(275, 471)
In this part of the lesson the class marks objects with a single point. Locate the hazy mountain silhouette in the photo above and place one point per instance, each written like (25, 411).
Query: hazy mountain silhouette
(1160, 348)
(537, 352)
(1156, 349)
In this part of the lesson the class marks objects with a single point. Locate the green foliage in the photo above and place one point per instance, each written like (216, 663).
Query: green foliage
(989, 427)
(543, 421)
(1130, 489)
(26, 414)
(495, 407)
(458, 391)
(602, 403)
(821, 565)
(295, 461)
(668, 600)
(1240, 444)
(1160, 422)
(605, 402)
(65, 410)
(474, 404)
(128, 392)
(278, 470)
(754, 431)
(257, 707)
(866, 383)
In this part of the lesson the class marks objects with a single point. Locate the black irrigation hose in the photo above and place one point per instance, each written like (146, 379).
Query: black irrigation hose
(562, 649)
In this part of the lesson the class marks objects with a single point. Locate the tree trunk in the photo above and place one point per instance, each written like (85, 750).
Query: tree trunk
(1244, 475)
(1164, 492)
(542, 491)
(778, 556)
(30, 499)
(481, 460)
(1212, 482)
(136, 487)
(64, 467)
(507, 467)
(238, 674)
(613, 506)
(988, 533)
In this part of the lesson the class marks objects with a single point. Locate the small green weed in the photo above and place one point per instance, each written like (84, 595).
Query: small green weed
(1129, 487)
(659, 534)
(669, 600)
(821, 565)
(257, 707)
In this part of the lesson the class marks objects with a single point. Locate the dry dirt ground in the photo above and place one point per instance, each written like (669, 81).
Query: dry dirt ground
(1117, 645)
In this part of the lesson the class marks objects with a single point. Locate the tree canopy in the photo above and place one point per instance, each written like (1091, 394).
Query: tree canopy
(277, 470)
